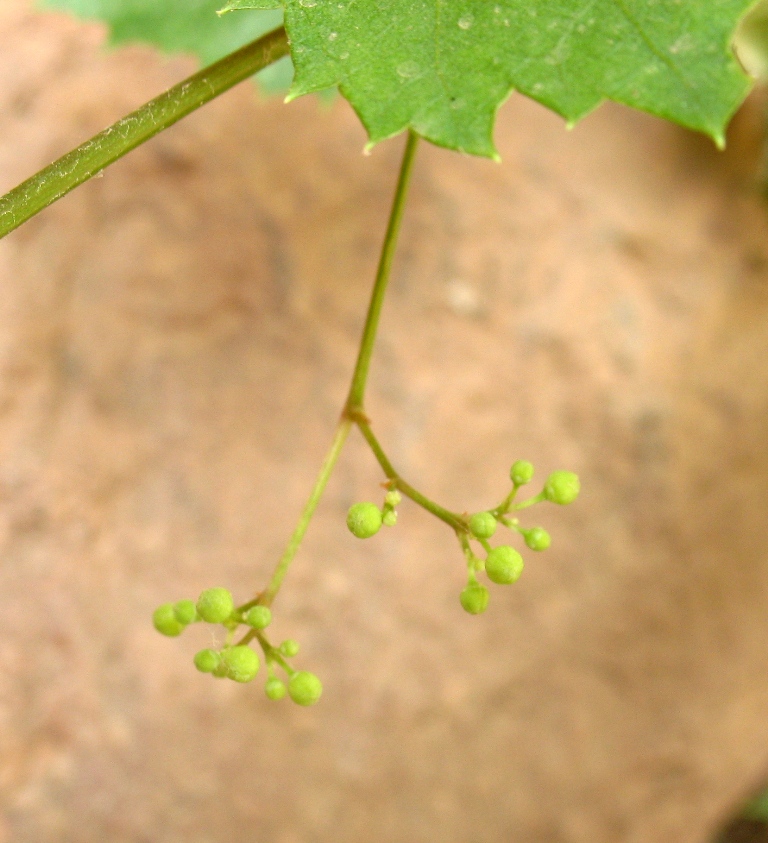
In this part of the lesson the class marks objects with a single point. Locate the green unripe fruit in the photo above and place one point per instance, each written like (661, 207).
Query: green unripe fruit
(504, 565)
(259, 617)
(393, 498)
(537, 538)
(562, 487)
(206, 661)
(389, 519)
(220, 671)
(305, 688)
(364, 520)
(185, 611)
(482, 525)
(289, 648)
(521, 472)
(165, 621)
(275, 689)
(215, 605)
(241, 663)
(474, 599)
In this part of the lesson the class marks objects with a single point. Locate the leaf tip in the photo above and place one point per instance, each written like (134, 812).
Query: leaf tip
(293, 94)
(487, 150)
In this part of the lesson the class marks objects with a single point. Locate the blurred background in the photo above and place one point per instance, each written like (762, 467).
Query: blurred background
(176, 339)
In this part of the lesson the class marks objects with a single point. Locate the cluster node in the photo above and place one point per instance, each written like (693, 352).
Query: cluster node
(503, 565)
(236, 660)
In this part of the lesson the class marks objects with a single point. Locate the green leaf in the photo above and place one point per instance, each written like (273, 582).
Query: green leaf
(443, 67)
(191, 26)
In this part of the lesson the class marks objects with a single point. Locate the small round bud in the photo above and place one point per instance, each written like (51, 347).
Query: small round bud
(393, 498)
(504, 565)
(305, 688)
(206, 661)
(215, 605)
(185, 611)
(474, 599)
(562, 487)
(364, 520)
(289, 648)
(241, 663)
(165, 622)
(259, 617)
(389, 519)
(275, 689)
(521, 472)
(537, 538)
(482, 525)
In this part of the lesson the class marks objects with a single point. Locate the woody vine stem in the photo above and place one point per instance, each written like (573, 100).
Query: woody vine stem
(85, 161)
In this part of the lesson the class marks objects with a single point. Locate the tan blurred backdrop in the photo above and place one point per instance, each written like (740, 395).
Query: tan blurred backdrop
(175, 343)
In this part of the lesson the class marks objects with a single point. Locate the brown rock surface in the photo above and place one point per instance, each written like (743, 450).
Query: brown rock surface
(175, 343)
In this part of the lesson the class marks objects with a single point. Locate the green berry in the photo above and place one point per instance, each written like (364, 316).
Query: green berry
(165, 621)
(537, 538)
(206, 661)
(259, 617)
(275, 689)
(504, 565)
(241, 663)
(521, 472)
(305, 688)
(289, 648)
(562, 487)
(364, 520)
(389, 518)
(215, 605)
(474, 598)
(185, 611)
(393, 498)
(220, 671)
(482, 525)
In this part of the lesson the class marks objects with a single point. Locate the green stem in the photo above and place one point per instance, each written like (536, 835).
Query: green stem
(269, 594)
(353, 411)
(359, 378)
(450, 518)
(530, 502)
(271, 654)
(79, 165)
(503, 507)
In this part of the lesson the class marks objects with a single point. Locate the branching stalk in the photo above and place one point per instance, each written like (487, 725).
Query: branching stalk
(451, 518)
(354, 412)
(294, 542)
(88, 159)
